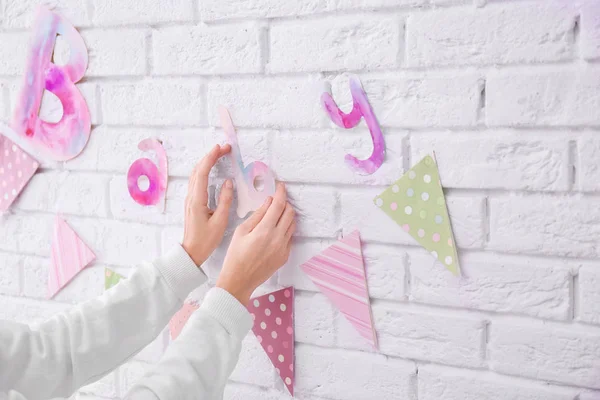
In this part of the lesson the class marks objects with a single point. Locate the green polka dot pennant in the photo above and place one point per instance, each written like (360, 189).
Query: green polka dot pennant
(111, 278)
(416, 202)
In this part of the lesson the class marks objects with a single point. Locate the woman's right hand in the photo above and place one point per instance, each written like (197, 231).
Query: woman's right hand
(259, 247)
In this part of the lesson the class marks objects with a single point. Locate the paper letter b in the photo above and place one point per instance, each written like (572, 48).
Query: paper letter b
(65, 139)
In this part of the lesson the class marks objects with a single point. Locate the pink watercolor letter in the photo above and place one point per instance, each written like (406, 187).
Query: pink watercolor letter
(361, 108)
(249, 198)
(65, 139)
(157, 176)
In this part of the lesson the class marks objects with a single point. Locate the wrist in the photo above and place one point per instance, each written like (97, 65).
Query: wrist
(196, 258)
(236, 290)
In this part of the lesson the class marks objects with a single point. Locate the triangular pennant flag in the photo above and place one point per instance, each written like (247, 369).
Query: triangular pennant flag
(111, 278)
(417, 203)
(180, 318)
(339, 272)
(273, 316)
(69, 256)
(16, 169)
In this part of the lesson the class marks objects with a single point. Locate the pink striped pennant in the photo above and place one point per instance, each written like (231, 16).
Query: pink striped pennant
(339, 272)
(69, 256)
(180, 318)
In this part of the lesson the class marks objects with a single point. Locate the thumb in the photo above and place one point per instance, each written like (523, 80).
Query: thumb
(257, 216)
(221, 215)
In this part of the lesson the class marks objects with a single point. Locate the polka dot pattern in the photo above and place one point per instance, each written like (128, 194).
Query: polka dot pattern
(416, 202)
(274, 331)
(16, 169)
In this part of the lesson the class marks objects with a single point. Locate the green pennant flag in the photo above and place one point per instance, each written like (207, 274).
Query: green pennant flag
(111, 278)
(416, 202)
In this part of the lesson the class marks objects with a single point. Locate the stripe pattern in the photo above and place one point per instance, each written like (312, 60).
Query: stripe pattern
(339, 272)
(69, 256)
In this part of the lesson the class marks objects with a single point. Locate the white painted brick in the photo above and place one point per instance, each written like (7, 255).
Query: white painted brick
(13, 52)
(437, 382)
(536, 287)
(344, 375)
(130, 373)
(21, 13)
(11, 269)
(29, 234)
(203, 50)
(590, 395)
(500, 160)
(560, 353)
(254, 366)
(314, 210)
(118, 243)
(589, 294)
(116, 12)
(268, 102)
(235, 391)
(568, 96)
(316, 153)
(156, 102)
(116, 52)
(64, 192)
(496, 34)
(416, 100)
(218, 10)
(590, 31)
(105, 387)
(335, 43)
(549, 225)
(385, 267)
(411, 333)
(113, 149)
(313, 319)
(588, 168)
(358, 211)
(123, 206)
(4, 104)
(86, 285)
(28, 311)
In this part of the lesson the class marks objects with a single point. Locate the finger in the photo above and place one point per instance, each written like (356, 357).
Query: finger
(286, 218)
(276, 210)
(257, 216)
(221, 214)
(203, 168)
(290, 232)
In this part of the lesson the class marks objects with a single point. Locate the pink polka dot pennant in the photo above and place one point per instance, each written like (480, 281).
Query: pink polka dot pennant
(16, 169)
(274, 328)
(179, 320)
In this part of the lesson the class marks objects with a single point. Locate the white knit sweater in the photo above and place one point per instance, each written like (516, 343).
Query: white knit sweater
(76, 348)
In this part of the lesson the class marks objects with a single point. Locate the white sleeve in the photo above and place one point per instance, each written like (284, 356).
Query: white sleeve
(198, 363)
(82, 345)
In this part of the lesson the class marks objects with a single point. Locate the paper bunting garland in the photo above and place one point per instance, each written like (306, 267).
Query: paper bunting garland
(179, 320)
(16, 169)
(417, 203)
(339, 272)
(69, 256)
(274, 328)
(111, 278)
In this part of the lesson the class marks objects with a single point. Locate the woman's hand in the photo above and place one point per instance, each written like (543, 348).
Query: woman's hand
(204, 228)
(260, 246)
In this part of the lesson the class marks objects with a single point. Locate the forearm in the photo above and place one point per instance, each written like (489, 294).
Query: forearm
(78, 347)
(198, 363)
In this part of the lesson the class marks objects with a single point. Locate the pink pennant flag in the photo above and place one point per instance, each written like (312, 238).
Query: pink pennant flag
(339, 272)
(180, 318)
(69, 256)
(273, 316)
(16, 169)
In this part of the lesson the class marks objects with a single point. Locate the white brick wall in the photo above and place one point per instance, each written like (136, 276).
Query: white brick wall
(506, 92)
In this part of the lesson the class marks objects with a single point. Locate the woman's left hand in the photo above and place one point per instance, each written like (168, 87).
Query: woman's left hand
(204, 228)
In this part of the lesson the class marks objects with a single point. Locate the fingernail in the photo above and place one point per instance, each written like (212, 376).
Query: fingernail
(228, 184)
